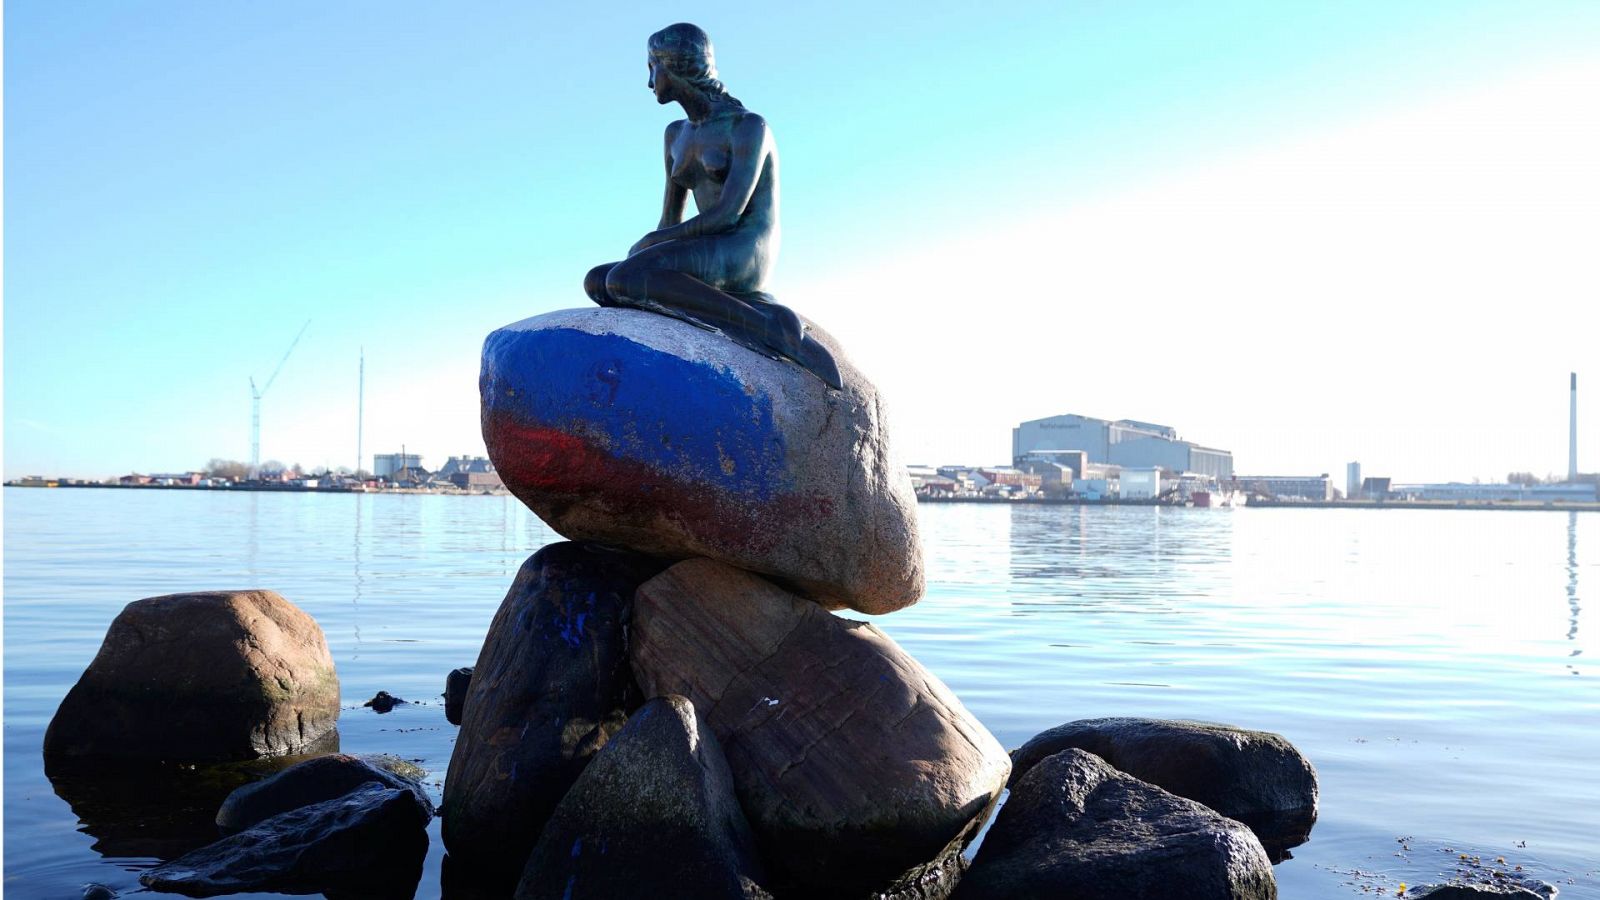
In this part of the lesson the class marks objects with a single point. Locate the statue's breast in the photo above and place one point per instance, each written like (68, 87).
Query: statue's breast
(696, 161)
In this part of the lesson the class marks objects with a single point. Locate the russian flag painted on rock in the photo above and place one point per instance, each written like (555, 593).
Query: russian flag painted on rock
(640, 430)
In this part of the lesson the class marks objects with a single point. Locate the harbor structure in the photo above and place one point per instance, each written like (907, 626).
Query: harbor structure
(1571, 492)
(1285, 487)
(1123, 442)
(386, 465)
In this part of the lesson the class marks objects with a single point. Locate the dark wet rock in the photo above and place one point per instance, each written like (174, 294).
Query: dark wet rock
(1475, 892)
(369, 842)
(313, 781)
(204, 677)
(1254, 777)
(462, 881)
(162, 810)
(383, 702)
(550, 687)
(653, 814)
(456, 685)
(405, 768)
(1076, 827)
(853, 763)
(98, 892)
(642, 431)
(935, 880)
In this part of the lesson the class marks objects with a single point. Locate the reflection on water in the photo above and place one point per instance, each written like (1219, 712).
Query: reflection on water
(1572, 585)
(1058, 564)
(154, 811)
(359, 581)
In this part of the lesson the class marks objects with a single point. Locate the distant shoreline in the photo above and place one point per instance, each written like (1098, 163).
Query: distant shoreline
(267, 489)
(1548, 506)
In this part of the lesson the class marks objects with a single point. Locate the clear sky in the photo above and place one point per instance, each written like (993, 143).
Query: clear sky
(1305, 232)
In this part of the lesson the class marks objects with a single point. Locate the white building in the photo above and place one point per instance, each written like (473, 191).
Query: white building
(1352, 480)
(1140, 482)
(1124, 442)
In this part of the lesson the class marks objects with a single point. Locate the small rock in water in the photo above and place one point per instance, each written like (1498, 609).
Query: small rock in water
(203, 677)
(370, 842)
(98, 892)
(1255, 777)
(383, 701)
(304, 784)
(1475, 892)
(1076, 827)
(456, 685)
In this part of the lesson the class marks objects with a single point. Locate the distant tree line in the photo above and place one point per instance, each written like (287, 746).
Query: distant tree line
(237, 471)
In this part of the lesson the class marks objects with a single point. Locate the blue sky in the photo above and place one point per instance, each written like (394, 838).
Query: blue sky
(188, 183)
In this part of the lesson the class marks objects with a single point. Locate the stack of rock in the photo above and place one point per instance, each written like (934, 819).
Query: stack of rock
(665, 704)
(666, 701)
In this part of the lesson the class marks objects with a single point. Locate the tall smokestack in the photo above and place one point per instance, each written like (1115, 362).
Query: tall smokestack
(1572, 434)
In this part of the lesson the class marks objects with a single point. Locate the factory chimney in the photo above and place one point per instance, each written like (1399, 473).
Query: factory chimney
(1572, 435)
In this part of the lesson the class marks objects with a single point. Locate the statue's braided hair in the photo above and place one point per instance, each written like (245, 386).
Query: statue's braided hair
(686, 52)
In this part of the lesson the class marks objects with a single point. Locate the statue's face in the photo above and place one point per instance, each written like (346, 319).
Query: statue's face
(660, 80)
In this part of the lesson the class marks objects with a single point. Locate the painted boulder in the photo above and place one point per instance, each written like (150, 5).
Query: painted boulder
(639, 430)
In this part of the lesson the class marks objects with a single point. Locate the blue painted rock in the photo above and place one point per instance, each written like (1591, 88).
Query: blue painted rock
(550, 688)
(635, 429)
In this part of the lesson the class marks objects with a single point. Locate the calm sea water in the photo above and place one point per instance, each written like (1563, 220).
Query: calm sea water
(1436, 666)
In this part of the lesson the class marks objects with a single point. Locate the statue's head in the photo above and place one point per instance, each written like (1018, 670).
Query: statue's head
(685, 52)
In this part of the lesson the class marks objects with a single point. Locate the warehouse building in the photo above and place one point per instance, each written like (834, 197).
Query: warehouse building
(1124, 442)
(1285, 487)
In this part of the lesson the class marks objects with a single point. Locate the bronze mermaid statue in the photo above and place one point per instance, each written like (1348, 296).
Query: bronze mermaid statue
(709, 269)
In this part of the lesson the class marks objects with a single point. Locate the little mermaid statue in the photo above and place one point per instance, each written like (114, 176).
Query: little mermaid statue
(709, 269)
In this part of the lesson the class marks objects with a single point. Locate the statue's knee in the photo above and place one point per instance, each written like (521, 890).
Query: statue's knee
(594, 284)
(618, 280)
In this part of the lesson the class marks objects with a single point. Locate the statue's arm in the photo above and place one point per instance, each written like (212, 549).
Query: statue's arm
(750, 144)
(677, 195)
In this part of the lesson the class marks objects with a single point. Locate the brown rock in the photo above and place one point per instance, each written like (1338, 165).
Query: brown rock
(202, 677)
(853, 763)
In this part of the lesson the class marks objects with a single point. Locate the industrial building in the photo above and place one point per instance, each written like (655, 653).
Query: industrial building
(385, 465)
(1124, 442)
(1285, 487)
(1140, 483)
(470, 472)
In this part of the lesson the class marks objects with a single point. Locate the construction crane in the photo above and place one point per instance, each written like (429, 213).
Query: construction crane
(255, 404)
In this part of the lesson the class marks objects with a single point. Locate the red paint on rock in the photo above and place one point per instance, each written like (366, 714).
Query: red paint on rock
(549, 470)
